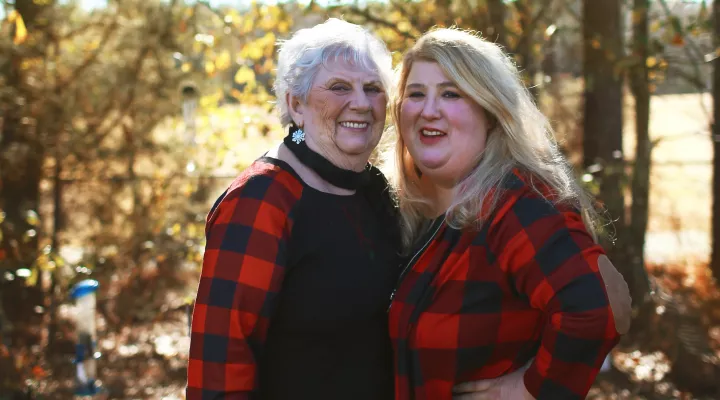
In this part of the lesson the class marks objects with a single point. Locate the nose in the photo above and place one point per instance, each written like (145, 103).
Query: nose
(430, 110)
(360, 101)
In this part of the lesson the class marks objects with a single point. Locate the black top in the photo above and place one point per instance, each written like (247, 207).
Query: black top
(328, 338)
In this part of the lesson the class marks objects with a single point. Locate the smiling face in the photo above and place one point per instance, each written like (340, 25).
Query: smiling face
(344, 115)
(444, 129)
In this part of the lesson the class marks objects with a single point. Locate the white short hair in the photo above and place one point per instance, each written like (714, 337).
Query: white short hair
(300, 58)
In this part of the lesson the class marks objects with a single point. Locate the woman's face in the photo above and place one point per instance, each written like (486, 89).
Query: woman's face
(344, 115)
(444, 130)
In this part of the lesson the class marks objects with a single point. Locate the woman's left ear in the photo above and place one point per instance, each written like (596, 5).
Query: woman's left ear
(296, 110)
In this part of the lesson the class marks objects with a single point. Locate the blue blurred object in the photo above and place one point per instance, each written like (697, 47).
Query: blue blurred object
(83, 288)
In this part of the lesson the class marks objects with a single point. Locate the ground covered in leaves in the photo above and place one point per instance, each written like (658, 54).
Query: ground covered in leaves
(144, 349)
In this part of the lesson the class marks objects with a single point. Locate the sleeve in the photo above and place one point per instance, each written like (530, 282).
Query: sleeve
(552, 259)
(242, 272)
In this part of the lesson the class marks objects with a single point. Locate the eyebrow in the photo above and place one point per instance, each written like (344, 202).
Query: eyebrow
(421, 85)
(336, 79)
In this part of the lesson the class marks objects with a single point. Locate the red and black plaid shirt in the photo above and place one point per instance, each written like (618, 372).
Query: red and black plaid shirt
(481, 304)
(243, 268)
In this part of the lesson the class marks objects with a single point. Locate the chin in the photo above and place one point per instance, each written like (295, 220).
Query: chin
(355, 147)
(431, 164)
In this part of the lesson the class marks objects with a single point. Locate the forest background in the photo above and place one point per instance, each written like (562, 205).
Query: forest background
(121, 121)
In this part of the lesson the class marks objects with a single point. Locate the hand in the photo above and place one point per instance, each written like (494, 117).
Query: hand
(506, 387)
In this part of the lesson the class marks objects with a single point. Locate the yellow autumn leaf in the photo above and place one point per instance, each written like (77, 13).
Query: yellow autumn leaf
(655, 26)
(32, 279)
(244, 75)
(253, 51)
(269, 39)
(32, 218)
(651, 62)
(247, 25)
(186, 67)
(94, 44)
(192, 230)
(209, 67)
(236, 94)
(283, 26)
(223, 61)
(20, 29)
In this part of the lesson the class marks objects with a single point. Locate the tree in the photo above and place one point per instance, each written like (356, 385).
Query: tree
(715, 132)
(88, 102)
(640, 183)
(516, 26)
(603, 121)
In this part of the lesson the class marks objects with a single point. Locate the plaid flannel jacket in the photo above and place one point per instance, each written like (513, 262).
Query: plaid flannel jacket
(480, 304)
(243, 268)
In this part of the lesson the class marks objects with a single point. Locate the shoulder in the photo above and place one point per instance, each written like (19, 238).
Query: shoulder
(526, 199)
(267, 177)
(266, 186)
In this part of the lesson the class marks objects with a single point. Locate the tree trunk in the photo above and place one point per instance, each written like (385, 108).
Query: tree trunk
(715, 257)
(523, 50)
(530, 20)
(20, 172)
(497, 31)
(640, 184)
(603, 119)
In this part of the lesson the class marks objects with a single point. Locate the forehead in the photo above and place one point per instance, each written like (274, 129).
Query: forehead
(426, 73)
(344, 70)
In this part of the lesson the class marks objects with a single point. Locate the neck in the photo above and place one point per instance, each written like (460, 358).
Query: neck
(308, 175)
(339, 159)
(443, 198)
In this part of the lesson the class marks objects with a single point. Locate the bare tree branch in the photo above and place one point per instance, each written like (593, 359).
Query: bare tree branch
(529, 29)
(365, 13)
(129, 100)
(677, 27)
(696, 82)
(413, 19)
(82, 29)
(90, 59)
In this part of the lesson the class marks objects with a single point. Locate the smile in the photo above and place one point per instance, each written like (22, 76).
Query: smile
(426, 132)
(355, 125)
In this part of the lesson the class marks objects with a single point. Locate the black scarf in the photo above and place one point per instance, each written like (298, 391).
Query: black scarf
(369, 182)
(336, 176)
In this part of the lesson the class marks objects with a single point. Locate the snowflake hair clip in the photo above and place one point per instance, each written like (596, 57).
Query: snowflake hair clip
(298, 136)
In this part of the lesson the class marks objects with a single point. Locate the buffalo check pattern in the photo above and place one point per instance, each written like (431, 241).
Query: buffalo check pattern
(243, 267)
(478, 304)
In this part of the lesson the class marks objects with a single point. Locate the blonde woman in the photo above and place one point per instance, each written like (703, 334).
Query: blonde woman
(505, 282)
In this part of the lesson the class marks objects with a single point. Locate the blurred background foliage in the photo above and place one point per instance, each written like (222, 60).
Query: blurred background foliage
(121, 122)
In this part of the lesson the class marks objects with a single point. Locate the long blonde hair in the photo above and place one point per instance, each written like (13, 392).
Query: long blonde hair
(521, 136)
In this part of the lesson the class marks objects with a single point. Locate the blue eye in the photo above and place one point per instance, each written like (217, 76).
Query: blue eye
(339, 88)
(372, 89)
(451, 95)
(416, 94)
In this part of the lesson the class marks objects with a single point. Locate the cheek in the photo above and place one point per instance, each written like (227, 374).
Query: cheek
(408, 113)
(326, 107)
(470, 129)
(380, 108)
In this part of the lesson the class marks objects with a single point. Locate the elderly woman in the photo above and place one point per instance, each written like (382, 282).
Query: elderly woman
(505, 283)
(302, 248)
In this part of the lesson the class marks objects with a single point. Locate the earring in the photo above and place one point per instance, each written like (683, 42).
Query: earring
(298, 136)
